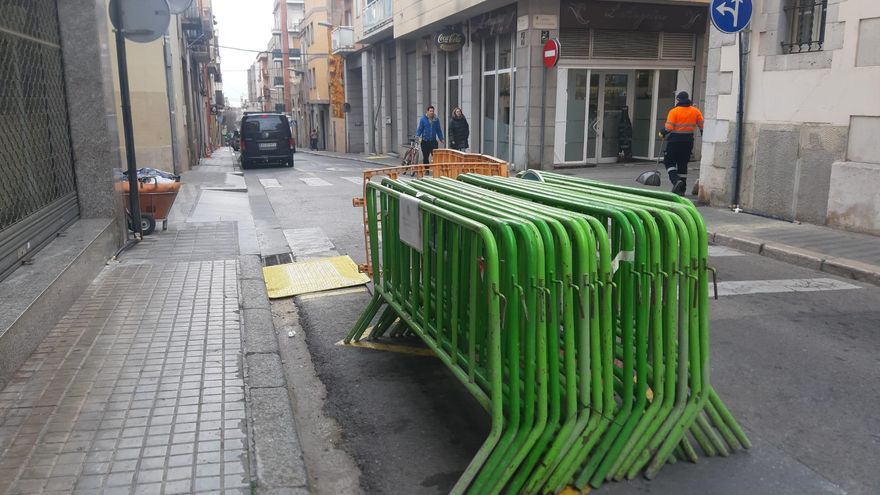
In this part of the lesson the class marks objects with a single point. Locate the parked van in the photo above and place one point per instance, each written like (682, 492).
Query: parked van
(266, 139)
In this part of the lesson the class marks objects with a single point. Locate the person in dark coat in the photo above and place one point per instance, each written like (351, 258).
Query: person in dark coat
(624, 135)
(459, 130)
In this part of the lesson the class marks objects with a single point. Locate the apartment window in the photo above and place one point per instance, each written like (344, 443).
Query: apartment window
(806, 25)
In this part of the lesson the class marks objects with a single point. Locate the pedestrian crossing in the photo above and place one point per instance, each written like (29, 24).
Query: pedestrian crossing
(725, 288)
(745, 287)
(315, 182)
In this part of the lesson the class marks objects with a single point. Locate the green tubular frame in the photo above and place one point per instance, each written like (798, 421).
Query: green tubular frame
(576, 312)
(648, 421)
(626, 242)
(477, 242)
(562, 284)
(710, 402)
(535, 330)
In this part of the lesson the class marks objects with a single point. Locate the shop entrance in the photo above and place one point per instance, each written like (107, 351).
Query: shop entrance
(596, 103)
(604, 113)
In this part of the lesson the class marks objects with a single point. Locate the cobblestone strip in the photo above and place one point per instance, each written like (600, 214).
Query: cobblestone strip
(138, 389)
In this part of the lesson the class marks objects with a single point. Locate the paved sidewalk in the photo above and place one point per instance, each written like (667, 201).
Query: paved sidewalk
(159, 379)
(139, 388)
(847, 254)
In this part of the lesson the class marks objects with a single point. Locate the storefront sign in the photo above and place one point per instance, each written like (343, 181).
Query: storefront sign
(336, 70)
(627, 16)
(545, 22)
(494, 23)
(449, 41)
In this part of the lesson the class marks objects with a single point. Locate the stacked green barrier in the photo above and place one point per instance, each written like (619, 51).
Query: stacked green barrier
(576, 312)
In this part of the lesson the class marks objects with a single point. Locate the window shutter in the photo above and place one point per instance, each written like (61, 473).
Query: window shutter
(575, 43)
(626, 44)
(678, 46)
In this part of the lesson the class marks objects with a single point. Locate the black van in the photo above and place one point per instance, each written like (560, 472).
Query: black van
(266, 138)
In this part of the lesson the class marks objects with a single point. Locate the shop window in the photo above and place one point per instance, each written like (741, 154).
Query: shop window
(498, 71)
(666, 87)
(643, 101)
(453, 81)
(806, 25)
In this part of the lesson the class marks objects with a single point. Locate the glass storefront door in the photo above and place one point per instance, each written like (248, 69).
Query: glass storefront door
(593, 103)
(616, 94)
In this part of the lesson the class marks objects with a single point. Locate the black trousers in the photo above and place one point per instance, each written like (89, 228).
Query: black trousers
(427, 148)
(678, 153)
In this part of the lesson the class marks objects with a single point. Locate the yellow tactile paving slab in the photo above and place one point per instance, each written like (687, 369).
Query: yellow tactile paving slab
(304, 277)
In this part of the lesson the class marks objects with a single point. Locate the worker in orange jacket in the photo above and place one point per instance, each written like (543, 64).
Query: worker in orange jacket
(681, 122)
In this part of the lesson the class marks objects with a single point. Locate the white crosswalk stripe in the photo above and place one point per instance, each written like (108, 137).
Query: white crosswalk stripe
(309, 241)
(315, 181)
(270, 183)
(719, 251)
(744, 287)
(355, 180)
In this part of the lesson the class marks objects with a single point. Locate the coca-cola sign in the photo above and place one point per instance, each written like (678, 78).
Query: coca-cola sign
(450, 41)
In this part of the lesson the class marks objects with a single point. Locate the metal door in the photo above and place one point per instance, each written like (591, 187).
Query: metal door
(37, 184)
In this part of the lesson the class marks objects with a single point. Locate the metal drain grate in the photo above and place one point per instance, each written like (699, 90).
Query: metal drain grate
(277, 259)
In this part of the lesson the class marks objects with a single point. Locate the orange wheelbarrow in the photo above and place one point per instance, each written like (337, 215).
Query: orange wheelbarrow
(156, 199)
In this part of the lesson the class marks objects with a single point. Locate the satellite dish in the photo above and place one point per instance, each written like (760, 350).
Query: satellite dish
(142, 21)
(179, 6)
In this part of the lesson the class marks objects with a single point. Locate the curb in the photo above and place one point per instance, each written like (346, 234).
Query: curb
(343, 157)
(841, 267)
(276, 458)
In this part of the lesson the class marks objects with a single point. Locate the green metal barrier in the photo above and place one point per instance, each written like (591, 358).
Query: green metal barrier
(592, 352)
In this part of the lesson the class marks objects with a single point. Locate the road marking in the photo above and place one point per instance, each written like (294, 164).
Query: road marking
(395, 348)
(355, 180)
(719, 251)
(739, 288)
(315, 181)
(308, 241)
(270, 183)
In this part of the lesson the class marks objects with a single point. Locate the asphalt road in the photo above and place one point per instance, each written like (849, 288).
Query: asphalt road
(799, 370)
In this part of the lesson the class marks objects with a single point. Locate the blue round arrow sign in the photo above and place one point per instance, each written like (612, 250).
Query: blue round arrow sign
(730, 16)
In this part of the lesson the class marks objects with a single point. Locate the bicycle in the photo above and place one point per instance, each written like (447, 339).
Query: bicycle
(412, 154)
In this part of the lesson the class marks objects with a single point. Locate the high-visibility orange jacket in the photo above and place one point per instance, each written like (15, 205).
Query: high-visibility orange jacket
(681, 122)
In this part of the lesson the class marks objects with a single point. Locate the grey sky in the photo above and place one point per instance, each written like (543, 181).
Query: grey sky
(241, 24)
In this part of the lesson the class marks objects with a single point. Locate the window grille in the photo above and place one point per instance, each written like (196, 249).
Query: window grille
(806, 23)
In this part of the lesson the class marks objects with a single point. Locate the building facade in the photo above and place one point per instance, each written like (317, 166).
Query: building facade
(621, 64)
(323, 75)
(812, 114)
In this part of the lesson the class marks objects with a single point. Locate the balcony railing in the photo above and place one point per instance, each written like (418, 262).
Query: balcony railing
(198, 23)
(342, 39)
(377, 14)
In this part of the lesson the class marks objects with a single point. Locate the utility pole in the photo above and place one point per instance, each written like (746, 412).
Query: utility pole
(127, 126)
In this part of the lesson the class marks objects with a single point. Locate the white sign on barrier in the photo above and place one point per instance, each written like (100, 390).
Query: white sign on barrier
(410, 220)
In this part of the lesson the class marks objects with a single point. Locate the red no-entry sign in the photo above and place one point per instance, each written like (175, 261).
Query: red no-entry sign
(551, 53)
